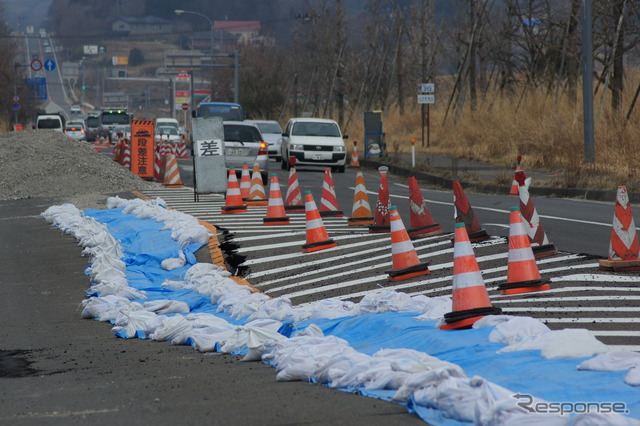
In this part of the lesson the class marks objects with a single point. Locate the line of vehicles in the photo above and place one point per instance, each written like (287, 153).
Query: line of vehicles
(310, 141)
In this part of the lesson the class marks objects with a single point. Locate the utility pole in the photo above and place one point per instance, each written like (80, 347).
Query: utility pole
(587, 82)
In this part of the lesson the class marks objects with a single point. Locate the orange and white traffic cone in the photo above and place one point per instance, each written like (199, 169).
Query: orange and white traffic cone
(317, 237)
(381, 218)
(361, 212)
(276, 214)
(245, 182)
(293, 202)
(257, 196)
(328, 201)
(537, 237)
(464, 213)
(355, 162)
(522, 272)
(623, 246)
(422, 224)
(470, 298)
(117, 152)
(233, 199)
(405, 259)
(518, 178)
(172, 173)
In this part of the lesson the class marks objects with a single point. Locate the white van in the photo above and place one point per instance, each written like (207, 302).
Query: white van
(167, 128)
(50, 122)
(313, 142)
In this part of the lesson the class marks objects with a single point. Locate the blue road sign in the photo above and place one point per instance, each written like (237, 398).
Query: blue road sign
(16, 107)
(39, 87)
(49, 65)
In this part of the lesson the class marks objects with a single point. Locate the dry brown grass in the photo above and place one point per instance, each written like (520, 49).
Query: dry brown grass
(547, 133)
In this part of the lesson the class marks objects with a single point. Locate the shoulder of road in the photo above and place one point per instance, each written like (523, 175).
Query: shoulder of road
(481, 177)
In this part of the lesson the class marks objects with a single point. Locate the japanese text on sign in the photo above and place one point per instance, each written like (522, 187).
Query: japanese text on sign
(142, 148)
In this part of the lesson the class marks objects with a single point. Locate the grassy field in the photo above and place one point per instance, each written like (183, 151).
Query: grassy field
(547, 133)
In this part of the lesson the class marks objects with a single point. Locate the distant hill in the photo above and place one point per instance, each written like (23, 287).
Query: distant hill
(26, 12)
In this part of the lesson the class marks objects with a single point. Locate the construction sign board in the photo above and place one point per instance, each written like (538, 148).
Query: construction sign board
(210, 172)
(142, 149)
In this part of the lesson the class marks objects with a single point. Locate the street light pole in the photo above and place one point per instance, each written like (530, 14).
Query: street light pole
(190, 12)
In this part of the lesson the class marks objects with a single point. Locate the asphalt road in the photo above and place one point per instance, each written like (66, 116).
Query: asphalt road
(57, 368)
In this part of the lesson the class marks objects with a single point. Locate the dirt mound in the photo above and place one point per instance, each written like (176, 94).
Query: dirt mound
(50, 164)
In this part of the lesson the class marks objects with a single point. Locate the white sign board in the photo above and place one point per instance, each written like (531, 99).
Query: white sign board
(90, 49)
(207, 147)
(426, 99)
(426, 88)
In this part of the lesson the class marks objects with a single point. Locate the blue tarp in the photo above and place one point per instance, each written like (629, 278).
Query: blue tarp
(524, 372)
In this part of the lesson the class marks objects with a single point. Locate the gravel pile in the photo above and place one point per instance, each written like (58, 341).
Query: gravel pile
(41, 163)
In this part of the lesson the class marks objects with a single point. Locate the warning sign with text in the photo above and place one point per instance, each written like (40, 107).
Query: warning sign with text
(142, 149)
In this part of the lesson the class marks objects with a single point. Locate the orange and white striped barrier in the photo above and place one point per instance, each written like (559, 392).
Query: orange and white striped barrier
(233, 200)
(537, 236)
(257, 196)
(361, 211)
(245, 182)
(317, 237)
(623, 246)
(172, 173)
(421, 222)
(328, 200)
(464, 213)
(158, 173)
(276, 214)
(381, 218)
(293, 202)
(470, 298)
(404, 257)
(522, 272)
(355, 162)
(181, 150)
(125, 158)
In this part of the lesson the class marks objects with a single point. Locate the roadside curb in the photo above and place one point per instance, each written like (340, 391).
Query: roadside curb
(486, 188)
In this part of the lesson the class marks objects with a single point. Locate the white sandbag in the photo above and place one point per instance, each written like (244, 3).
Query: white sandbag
(107, 288)
(253, 337)
(174, 262)
(140, 321)
(435, 308)
(276, 309)
(248, 305)
(572, 343)
(336, 367)
(517, 329)
(611, 361)
(204, 339)
(333, 308)
(232, 296)
(383, 301)
(103, 308)
(633, 376)
(124, 312)
(170, 328)
(163, 307)
(491, 320)
(422, 380)
(600, 419)
(115, 202)
(175, 285)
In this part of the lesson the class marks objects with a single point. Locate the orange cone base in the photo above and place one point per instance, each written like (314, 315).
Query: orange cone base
(331, 213)
(465, 319)
(410, 272)
(320, 245)
(276, 221)
(234, 209)
(260, 202)
(480, 235)
(523, 287)
(619, 265)
(294, 209)
(425, 231)
(378, 229)
(460, 325)
(521, 290)
(354, 221)
(174, 185)
(544, 251)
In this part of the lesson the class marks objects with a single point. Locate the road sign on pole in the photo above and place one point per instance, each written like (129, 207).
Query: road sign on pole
(49, 65)
(426, 99)
(185, 106)
(36, 65)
